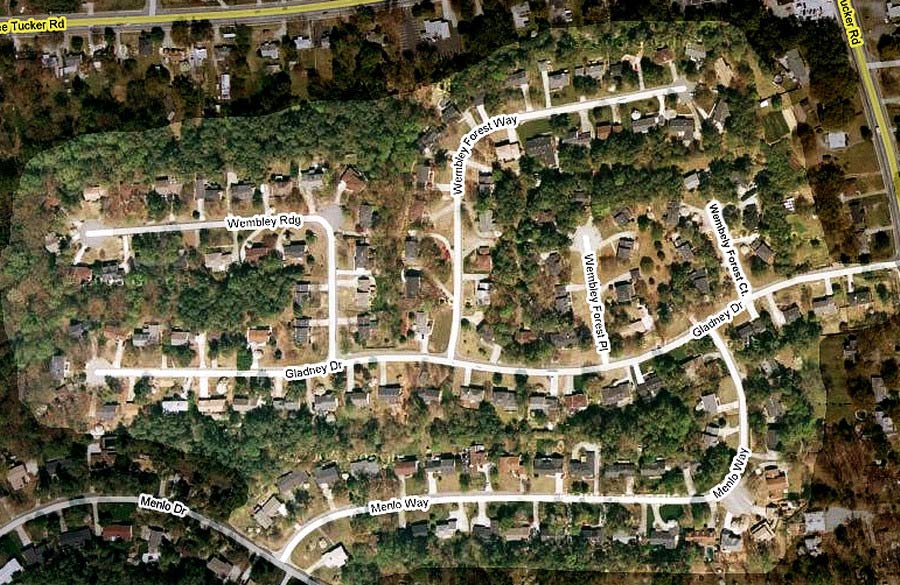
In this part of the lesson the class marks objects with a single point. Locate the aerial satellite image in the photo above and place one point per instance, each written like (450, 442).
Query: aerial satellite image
(449, 292)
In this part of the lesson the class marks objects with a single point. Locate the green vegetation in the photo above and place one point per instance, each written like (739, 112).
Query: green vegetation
(661, 426)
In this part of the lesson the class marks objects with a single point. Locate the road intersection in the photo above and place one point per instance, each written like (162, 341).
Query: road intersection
(449, 358)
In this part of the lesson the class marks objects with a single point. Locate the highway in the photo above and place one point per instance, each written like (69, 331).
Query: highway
(247, 14)
(885, 148)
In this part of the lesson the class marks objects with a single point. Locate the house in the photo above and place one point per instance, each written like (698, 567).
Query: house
(776, 484)
(413, 284)
(218, 261)
(366, 325)
(836, 140)
(443, 464)
(254, 254)
(76, 538)
(673, 210)
(684, 250)
(624, 291)
(353, 181)
(791, 313)
(436, 30)
(650, 387)
(681, 127)
(258, 336)
(288, 482)
(516, 79)
(94, 193)
(654, 469)
(695, 52)
(507, 151)
(773, 409)
(313, 178)
(644, 125)
(242, 191)
(762, 531)
(295, 250)
(521, 14)
(796, 67)
(325, 403)
(390, 394)
(542, 148)
(667, 539)
(709, 403)
(700, 280)
(59, 368)
(483, 292)
(207, 191)
(593, 69)
(729, 542)
(269, 50)
(220, 568)
(720, 115)
(302, 293)
(619, 469)
(411, 249)
(692, 181)
(562, 299)
(358, 398)
(147, 336)
(80, 275)
(212, 405)
(362, 255)
(577, 138)
(111, 273)
(484, 261)
(365, 468)
(558, 80)
(663, 56)
(575, 402)
(114, 532)
(244, 404)
(174, 406)
(34, 554)
(300, 329)
(879, 389)
(859, 297)
(510, 465)
(429, 395)
(583, 467)
(504, 400)
(471, 396)
(18, 477)
(617, 395)
(365, 217)
(542, 403)
(624, 248)
(748, 330)
(406, 467)
(327, 475)
(548, 465)
(445, 529)
(824, 306)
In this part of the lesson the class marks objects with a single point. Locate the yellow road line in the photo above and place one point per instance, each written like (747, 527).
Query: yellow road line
(80, 21)
(884, 126)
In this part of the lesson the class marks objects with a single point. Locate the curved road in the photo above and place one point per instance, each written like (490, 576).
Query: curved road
(57, 506)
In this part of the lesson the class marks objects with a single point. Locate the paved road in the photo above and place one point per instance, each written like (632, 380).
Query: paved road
(884, 144)
(395, 357)
(248, 14)
(489, 497)
(624, 98)
(58, 506)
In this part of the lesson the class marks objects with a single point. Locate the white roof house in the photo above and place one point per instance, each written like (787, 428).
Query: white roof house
(836, 140)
